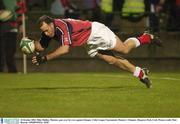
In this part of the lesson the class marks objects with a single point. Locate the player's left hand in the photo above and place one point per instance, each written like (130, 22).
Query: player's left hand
(38, 59)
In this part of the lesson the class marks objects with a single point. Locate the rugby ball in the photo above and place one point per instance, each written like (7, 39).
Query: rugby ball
(5, 15)
(27, 46)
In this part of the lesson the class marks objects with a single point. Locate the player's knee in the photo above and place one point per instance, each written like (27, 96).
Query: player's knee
(125, 51)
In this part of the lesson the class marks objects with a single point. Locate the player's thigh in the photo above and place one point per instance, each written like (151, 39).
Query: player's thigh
(120, 46)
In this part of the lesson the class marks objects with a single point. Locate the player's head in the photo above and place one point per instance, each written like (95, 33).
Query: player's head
(47, 25)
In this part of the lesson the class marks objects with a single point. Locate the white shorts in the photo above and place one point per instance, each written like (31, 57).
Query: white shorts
(101, 38)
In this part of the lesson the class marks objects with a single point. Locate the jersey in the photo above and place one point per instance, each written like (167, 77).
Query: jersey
(68, 32)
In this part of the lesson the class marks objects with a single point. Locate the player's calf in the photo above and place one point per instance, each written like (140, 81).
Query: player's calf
(108, 58)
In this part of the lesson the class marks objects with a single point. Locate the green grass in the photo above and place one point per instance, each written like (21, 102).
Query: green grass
(88, 95)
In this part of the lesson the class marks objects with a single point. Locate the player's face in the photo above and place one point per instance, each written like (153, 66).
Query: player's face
(48, 29)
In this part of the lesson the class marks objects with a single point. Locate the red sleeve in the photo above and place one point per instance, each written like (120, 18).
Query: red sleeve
(63, 28)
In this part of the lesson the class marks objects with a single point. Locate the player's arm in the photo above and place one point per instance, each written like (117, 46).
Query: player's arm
(63, 49)
(58, 52)
(39, 59)
(38, 46)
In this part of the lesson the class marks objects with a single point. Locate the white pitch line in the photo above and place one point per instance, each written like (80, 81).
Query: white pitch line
(167, 78)
(122, 76)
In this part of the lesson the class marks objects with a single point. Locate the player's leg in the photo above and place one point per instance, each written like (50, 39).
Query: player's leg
(124, 64)
(103, 39)
(133, 42)
(119, 62)
(124, 47)
(2, 59)
(10, 50)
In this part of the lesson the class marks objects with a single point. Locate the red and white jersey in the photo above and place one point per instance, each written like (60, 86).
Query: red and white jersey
(69, 32)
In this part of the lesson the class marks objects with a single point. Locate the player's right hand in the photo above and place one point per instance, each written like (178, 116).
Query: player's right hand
(38, 59)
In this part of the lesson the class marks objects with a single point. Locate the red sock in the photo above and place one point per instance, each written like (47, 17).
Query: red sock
(141, 74)
(138, 72)
(144, 39)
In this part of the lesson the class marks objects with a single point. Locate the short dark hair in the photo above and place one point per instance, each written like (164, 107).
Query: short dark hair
(45, 19)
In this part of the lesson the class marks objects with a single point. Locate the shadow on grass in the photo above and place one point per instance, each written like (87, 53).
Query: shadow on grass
(75, 89)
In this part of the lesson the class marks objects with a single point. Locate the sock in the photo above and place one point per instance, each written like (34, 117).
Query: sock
(138, 73)
(144, 39)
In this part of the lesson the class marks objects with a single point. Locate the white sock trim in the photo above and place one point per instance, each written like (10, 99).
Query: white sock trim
(136, 41)
(137, 72)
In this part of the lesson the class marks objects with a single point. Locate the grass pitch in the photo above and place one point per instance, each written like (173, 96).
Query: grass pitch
(88, 95)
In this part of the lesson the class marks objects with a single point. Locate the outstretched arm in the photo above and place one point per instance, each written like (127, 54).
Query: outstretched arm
(38, 59)
(58, 52)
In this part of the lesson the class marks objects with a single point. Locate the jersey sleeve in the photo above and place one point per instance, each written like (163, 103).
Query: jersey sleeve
(44, 40)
